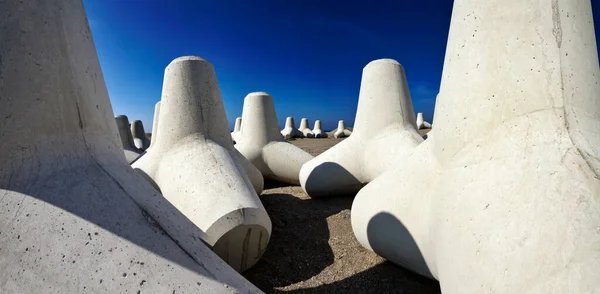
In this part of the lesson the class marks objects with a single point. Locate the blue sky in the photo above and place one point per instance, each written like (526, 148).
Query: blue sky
(308, 55)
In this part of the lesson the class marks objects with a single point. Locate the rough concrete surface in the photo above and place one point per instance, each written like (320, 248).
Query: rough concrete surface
(139, 135)
(290, 131)
(342, 131)
(195, 166)
(421, 123)
(131, 152)
(237, 129)
(384, 130)
(154, 133)
(305, 128)
(262, 144)
(74, 216)
(504, 195)
(317, 131)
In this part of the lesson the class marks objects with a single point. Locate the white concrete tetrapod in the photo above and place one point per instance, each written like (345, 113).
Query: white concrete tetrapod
(305, 129)
(76, 217)
(290, 130)
(503, 197)
(384, 130)
(139, 135)
(421, 123)
(131, 152)
(236, 130)
(341, 131)
(317, 131)
(155, 122)
(261, 142)
(196, 167)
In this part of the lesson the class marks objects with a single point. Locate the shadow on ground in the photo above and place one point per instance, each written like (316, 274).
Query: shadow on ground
(382, 278)
(313, 250)
(299, 248)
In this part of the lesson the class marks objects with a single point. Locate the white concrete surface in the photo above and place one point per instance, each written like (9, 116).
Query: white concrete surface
(75, 217)
(155, 122)
(318, 131)
(139, 135)
(197, 169)
(342, 131)
(236, 130)
(290, 130)
(384, 131)
(305, 129)
(421, 123)
(503, 197)
(262, 144)
(129, 149)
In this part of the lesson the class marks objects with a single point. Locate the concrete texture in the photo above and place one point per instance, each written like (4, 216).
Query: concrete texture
(305, 129)
(236, 130)
(290, 130)
(341, 131)
(317, 131)
(421, 123)
(75, 217)
(383, 132)
(262, 144)
(197, 169)
(503, 197)
(155, 122)
(131, 152)
(139, 135)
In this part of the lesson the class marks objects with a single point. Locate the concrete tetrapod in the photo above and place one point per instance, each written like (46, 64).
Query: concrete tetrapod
(384, 130)
(131, 152)
(76, 217)
(290, 130)
(305, 129)
(503, 196)
(155, 122)
(421, 123)
(196, 167)
(236, 130)
(318, 131)
(341, 131)
(261, 142)
(139, 135)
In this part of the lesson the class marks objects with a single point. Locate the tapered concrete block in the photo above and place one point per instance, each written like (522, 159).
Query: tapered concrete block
(261, 142)
(290, 130)
(76, 218)
(305, 129)
(342, 131)
(139, 135)
(131, 152)
(384, 131)
(503, 197)
(318, 131)
(236, 129)
(197, 169)
(155, 122)
(421, 123)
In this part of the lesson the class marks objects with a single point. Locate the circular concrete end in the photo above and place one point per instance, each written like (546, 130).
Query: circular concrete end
(242, 246)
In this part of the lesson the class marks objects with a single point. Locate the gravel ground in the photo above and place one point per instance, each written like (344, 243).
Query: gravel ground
(313, 249)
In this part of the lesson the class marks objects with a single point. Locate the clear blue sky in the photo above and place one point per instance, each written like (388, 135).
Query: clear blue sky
(308, 55)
